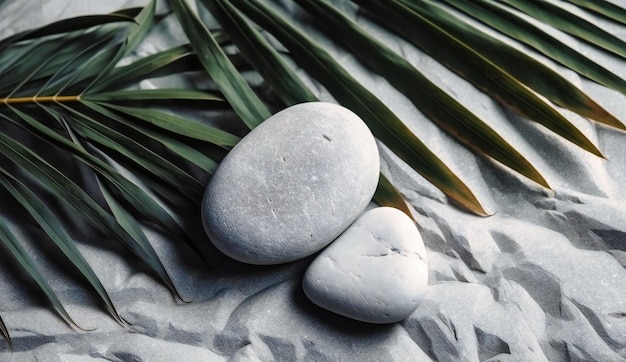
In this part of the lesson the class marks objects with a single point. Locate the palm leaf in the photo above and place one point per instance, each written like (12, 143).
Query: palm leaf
(388, 195)
(604, 8)
(144, 21)
(444, 110)
(10, 241)
(147, 95)
(265, 59)
(418, 28)
(80, 102)
(524, 31)
(274, 69)
(564, 20)
(179, 148)
(52, 227)
(384, 124)
(72, 24)
(516, 63)
(49, 69)
(235, 89)
(175, 124)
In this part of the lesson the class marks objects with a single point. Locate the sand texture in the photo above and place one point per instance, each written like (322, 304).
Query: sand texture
(544, 278)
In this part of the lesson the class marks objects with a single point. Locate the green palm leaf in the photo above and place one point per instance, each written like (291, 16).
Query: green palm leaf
(516, 63)
(384, 124)
(179, 148)
(235, 89)
(49, 84)
(418, 28)
(52, 227)
(5, 333)
(10, 241)
(388, 195)
(519, 29)
(283, 80)
(444, 110)
(265, 59)
(62, 84)
(72, 24)
(604, 8)
(564, 20)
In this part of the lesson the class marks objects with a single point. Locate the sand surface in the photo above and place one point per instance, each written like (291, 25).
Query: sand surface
(544, 278)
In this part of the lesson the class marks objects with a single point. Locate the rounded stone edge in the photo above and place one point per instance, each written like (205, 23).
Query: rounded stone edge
(212, 236)
(313, 297)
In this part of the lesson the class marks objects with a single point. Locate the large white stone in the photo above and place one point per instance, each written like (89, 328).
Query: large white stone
(292, 185)
(376, 271)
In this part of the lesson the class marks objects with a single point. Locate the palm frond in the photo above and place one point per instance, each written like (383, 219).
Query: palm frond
(434, 102)
(604, 8)
(234, 87)
(11, 242)
(515, 27)
(54, 229)
(62, 86)
(560, 18)
(385, 125)
(283, 80)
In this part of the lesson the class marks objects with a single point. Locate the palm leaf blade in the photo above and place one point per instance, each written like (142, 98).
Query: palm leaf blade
(235, 89)
(604, 8)
(139, 155)
(444, 110)
(5, 333)
(177, 124)
(542, 79)
(388, 195)
(561, 19)
(142, 68)
(68, 25)
(27, 263)
(179, 94)
(132, 193)
(67, 191)
(132, 227)
(517, 28)
(261, 54)
(179, 148)
(143, 22)
(52, 227)
(469, 64)
(383, 123)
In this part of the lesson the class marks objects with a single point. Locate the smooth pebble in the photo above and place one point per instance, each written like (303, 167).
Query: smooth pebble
(292, 185)
(376, 271)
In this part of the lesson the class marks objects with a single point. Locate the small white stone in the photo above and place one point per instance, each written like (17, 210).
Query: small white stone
(292, 185)
(376, 271)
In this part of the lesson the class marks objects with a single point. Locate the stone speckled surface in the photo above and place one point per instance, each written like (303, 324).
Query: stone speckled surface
(292, 185)
(376, 271)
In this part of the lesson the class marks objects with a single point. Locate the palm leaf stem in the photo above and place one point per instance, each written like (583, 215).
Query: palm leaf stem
(40, 99)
